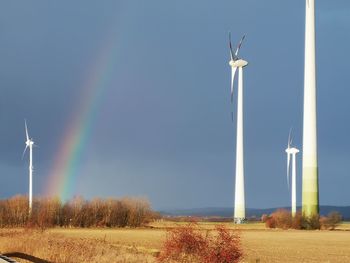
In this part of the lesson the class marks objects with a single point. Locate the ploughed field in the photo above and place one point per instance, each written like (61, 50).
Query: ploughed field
(142, 244)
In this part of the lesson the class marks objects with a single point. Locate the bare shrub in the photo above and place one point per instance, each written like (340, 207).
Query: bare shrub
(270, 222)
(224, 247)
(46, 213)
(191, 244)
(14, 211)
(283, 219)
(184, 244)
(331, 221)
(324, 222)
(138, 210)
(297, 221)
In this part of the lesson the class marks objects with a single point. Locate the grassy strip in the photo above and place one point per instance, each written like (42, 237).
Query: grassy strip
(58, 248)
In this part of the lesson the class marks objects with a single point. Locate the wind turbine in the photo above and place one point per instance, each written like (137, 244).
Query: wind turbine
(29, 144)
(310, 166)
(291, 151)
(236, 62)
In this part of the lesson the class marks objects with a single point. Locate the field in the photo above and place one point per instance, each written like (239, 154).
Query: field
(141, 245)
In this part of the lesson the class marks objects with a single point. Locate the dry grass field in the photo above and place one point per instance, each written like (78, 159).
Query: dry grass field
(140, 245)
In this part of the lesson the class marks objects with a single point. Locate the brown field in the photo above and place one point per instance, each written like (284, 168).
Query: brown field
(141, 245)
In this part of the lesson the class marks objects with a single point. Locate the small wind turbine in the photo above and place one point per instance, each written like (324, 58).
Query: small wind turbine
(236, 62)
(29, 143)
(292, 151)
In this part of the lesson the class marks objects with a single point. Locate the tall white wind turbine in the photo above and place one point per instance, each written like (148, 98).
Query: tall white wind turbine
(236, 62)
(310, 199)
(291, 151)
(29, 144)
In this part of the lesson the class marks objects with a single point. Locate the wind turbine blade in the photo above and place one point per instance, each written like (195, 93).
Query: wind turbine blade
(288, 164)
(234, 69)
(290, 138)
(288, 154)
(24, 151)
(239, 45)
(230, 45)
(25, 124)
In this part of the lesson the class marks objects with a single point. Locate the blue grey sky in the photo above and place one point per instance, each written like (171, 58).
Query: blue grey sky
(163, 128)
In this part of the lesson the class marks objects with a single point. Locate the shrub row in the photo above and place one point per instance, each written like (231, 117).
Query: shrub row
(283, 219)
(78, 212)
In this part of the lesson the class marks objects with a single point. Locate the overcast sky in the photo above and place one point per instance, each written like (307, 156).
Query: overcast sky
(162, 127)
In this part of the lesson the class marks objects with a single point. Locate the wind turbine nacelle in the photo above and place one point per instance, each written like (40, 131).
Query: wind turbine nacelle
(238, 63)
(29, 143)
(292, 150)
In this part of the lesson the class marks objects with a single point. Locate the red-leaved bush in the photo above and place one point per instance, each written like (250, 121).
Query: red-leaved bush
(190, 243)
(184, 244)
(223, 247)
(270, 222)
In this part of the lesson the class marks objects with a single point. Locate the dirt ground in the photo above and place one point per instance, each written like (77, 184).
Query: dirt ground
(260, 244)
(142, 244)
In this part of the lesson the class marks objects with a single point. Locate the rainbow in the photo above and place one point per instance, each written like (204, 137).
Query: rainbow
(65, 170)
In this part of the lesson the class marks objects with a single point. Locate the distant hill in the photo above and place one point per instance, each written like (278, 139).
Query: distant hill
(251, 212)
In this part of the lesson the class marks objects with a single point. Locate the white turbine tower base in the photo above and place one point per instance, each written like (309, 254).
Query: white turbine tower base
(239, 214)
(29, 143)
(235, 62)
(310, 198)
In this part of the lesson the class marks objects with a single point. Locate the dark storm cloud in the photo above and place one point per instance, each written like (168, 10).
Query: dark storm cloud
(163, 129)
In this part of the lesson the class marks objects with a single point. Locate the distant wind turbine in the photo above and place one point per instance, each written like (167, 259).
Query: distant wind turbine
(236, 62)
(29, 144)
(291, 151)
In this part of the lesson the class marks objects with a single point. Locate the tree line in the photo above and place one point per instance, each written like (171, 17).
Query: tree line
(77, 212)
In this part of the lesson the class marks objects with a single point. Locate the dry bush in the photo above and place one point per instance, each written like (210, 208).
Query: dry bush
(270, 222)
(46, 213)
(14, 211)
(183, 244)
(297, 221)
(331, 221)
(225, 247)
(191, 244)
(283, 219)
(324, 222)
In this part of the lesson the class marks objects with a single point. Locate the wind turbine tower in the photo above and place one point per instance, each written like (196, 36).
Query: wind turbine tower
(310, 198)
(29, 144)
(291, 151)
(236, 62)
